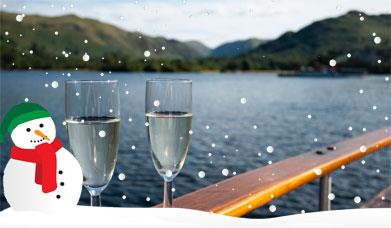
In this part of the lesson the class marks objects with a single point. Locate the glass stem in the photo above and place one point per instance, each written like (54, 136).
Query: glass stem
(167, 200)
(95, 200)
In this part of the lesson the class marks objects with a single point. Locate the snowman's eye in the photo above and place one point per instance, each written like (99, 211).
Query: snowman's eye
(28, 129)
(40, 125)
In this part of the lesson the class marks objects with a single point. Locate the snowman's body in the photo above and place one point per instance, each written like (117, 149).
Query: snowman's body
(20, 189)
(23, 193)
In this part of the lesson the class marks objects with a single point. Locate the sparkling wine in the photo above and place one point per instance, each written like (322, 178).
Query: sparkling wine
(168, 135)
(94, 142)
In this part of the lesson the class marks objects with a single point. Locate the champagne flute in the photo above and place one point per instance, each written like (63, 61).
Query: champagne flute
(93, 123)
(168, 120)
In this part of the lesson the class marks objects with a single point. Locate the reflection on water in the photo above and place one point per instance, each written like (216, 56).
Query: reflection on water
(290, 115)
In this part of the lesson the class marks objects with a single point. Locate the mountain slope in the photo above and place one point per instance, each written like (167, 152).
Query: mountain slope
(33, 43)
(199, 47)
(38, 34)
(235, 48)
(329, 39)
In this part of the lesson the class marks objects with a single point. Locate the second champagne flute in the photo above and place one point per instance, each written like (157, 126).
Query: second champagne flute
(93, 123)
(168, 119)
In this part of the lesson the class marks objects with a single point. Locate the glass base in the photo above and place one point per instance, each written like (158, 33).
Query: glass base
(95, 195)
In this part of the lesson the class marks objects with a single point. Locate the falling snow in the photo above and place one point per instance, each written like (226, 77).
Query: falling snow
(168, 173)
(121, 176)
(331, 196)
(270, 149)
(272, 208)
(147, 54)
(317, 171)
(243, 100)
(332, 63)
(156, 103)
(19, 17)
(86, 57)
(363, 149)
(54, 84)
(357, 199)
(201, 174)
(225, 172)
(102, 133)
(377, 40)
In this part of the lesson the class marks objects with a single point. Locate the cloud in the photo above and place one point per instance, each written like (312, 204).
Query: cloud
(211, 22)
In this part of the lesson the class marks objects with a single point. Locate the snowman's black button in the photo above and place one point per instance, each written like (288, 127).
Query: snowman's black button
(62, 184)
(58, 196)
(60, 172)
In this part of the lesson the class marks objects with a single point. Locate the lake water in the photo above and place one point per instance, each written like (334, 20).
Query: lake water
(276, 114)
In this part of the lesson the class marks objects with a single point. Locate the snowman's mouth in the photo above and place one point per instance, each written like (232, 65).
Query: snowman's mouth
(37, 141)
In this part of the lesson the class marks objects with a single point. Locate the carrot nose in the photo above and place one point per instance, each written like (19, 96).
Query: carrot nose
(39, 133)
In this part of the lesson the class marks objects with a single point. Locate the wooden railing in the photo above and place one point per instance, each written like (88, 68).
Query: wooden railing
(246, 192)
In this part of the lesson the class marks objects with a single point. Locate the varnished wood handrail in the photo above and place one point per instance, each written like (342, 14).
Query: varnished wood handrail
(243, 193)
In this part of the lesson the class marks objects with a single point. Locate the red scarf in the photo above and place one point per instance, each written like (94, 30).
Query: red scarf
(44, 157)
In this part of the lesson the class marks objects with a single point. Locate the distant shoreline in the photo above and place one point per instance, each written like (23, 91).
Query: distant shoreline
(276, 72)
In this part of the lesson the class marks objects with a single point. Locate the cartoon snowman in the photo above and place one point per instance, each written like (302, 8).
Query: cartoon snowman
(41, 174)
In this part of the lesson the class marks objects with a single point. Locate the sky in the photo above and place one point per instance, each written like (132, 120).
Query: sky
(212, 22)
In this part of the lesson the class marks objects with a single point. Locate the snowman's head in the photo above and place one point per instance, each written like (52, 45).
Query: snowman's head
(30, 134)
(29, 124)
